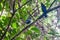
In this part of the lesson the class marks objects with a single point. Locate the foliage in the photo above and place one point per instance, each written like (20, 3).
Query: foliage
(12, 21)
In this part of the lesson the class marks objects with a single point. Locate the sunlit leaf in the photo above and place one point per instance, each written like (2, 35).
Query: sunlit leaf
(14, 25)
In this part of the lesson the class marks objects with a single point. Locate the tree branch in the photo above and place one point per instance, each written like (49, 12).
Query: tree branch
(34, 22)
(9, 22)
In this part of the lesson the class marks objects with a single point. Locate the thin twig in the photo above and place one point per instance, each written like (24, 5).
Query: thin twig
(52, 4)
(22, 5)
(19, 1)
(31, 15)
(37, 6)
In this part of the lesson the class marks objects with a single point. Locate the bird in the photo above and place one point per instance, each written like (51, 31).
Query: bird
(28, 20)
(43, 7)
(45, 15)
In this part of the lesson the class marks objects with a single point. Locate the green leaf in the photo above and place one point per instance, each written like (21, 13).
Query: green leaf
(28, 32)
(23, 1)
(7, 6)
(35, 29)
(7, 34)
(0, 6)
(7, 38)
(52, 32)
(35, 35)
(14, 25)
(46, 38)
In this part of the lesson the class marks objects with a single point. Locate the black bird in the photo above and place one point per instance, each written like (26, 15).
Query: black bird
(43, 7)
(28, 20)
